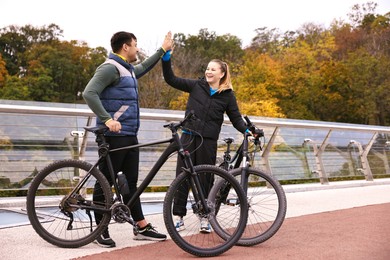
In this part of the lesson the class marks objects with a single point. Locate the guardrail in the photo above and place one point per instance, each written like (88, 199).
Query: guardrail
(31, 136)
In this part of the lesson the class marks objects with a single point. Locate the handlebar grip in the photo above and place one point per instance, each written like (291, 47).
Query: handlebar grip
(250, 125)
(190, 116)
(257, 131)
(248, 121)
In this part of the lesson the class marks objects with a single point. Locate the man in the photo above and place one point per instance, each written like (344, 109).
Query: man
(112, 94)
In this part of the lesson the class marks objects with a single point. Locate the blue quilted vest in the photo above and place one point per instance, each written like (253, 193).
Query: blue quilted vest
(121, 99)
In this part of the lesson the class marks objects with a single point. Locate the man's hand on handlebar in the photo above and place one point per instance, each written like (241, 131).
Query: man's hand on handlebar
(114, 126)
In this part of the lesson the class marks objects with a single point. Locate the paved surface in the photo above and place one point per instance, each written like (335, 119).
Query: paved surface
(343, 220)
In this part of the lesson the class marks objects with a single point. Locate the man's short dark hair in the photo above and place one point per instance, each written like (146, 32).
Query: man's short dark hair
(119, 38)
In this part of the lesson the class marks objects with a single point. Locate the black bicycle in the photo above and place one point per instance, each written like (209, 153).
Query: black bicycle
(61, 209)
(266, 198)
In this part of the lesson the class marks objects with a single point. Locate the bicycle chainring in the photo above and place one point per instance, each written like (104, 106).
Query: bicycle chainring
(120, 213)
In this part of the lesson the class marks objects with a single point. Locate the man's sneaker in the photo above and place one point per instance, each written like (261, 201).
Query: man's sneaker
(204, 226)
(147, 233)
(180, 224)
(104, 240)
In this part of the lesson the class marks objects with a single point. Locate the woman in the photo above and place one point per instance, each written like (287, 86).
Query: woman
(210, 97)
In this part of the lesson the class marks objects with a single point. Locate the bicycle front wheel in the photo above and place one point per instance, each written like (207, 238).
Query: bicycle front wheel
(190, 237)
(63, 215)
(267, 206)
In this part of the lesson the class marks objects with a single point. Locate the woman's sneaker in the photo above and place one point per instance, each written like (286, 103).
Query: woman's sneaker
(179, 224)
(204, 226)
(147, 233)
(104, 240)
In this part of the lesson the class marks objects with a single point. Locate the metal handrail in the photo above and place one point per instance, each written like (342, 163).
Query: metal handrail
(22, 109)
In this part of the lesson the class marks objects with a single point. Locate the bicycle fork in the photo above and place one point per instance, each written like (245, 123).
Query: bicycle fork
(245, 165)
(200, 206)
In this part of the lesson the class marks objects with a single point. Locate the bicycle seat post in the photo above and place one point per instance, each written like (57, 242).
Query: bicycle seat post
(228, 142)
(227, 152)
(104, 150)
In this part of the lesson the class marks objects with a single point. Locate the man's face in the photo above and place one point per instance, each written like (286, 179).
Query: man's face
(131, 51)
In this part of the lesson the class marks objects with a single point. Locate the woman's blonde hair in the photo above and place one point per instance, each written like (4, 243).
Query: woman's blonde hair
(225, 83)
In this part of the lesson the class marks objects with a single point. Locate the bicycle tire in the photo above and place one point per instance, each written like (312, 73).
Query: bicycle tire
(62, 222)
(190, 239)
(267, 206)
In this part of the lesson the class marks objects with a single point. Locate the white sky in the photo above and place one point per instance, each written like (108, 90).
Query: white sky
(95, 21)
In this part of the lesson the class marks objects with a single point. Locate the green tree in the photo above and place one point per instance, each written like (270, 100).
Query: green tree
(266, 41)
(370, 85)
(67, 64)
(52, 70)
(15, 88)
(16, 40)
(193, 52)
(40, 84)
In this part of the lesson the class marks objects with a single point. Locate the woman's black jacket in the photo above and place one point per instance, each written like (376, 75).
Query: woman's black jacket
(209, 109)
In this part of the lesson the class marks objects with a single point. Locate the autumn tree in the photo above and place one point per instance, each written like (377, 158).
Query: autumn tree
(152, 91)
(258, 76)
(367, 60)
(3, 72)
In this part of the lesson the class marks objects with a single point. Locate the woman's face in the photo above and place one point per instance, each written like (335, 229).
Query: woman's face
(213, 73)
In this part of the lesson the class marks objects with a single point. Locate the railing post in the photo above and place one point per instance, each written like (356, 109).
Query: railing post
(267, 150)
(363, 153)
(83, 145)
(318, 151)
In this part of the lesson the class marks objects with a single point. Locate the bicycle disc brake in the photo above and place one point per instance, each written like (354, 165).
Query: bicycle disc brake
(200, 211)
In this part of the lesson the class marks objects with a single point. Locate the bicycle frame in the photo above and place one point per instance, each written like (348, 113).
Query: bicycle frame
(153, 171)
(175, 146)
(241, 157)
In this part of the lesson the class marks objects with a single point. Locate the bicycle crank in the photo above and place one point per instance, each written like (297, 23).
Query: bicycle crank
(121, 213)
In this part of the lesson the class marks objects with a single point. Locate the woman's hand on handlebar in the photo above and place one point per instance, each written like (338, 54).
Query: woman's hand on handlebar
(257, 132)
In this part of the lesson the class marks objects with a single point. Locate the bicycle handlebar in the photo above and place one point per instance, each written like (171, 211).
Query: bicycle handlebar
(174, 126)
(101, 129)
(257, 132)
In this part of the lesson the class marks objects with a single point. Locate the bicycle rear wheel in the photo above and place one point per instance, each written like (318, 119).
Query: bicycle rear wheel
(61, 218)
(232, 222)
(267, 206)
